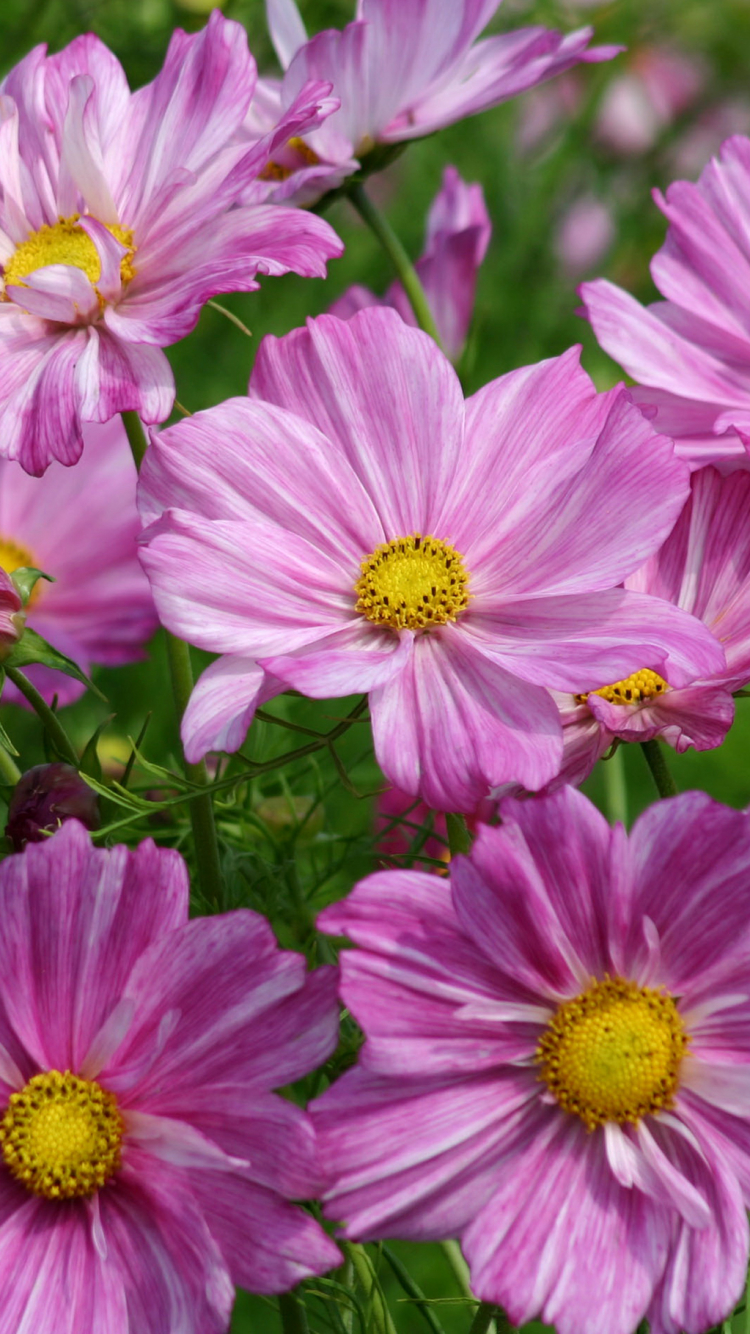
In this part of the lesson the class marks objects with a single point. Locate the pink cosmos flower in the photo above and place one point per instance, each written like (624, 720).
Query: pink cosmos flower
(402, 69)
(691, 352)
(145, 1165)
(658, 85)
(355, 526)
(81, 527)
(116, 225)
(458, 233)
(556, 1063)
(703, 567)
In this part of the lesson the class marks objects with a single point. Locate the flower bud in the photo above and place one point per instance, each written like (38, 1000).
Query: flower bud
(44, 798)
(12, 615)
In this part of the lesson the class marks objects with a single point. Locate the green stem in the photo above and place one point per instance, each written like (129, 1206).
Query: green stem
(136, 436)
(487, 1314)
(454, 1255)
(8, 768)
(459, 838)
(407, 274)
(665, 784)
(615, 789)
(52, 725)
(293, 1315)
(364, 1269)
(181, 673)
(202, 808)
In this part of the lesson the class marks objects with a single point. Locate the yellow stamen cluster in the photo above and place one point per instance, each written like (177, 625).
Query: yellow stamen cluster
(64, 242)
(297, 154)
(412, 583)
(61, 1136)
(636, 688)
(614, 1052)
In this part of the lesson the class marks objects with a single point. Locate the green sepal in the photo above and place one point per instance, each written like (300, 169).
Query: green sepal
(25, 578)
(32, 649)
(89, 763)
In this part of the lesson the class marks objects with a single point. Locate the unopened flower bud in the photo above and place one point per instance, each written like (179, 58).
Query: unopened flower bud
(12, 615)
(44, 798)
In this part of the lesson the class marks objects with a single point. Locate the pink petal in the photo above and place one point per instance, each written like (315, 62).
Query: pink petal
(249, 459)
(698, 716)
(388, 1180)
(513, 897)
(561, 1240)
(452, 725)
(58, 292)
(247, 588)
(383, 394)
(231, 997)
(76, 920)
(347, 662)
(682, 851)
(115, 376)
(40, 422)
(286, 27)
(221, 707)
(268, 1244)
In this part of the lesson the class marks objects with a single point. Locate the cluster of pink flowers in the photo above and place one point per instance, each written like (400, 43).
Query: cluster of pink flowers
(556, 1064)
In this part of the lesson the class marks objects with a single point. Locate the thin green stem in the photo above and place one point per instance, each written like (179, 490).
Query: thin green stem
(181, 673)
(747, 1305)
(293, 1314)
(665, 784)
(201, 808)
(459, 838)
(615, 788)
(136, 436)
(52, 725)
(9, 770)
(405, 270)
(412, 1289)
(487, 1315)
(365, 1271)
(454, 1255)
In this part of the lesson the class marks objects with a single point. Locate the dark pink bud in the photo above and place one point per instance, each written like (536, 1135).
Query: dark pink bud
(44, 798)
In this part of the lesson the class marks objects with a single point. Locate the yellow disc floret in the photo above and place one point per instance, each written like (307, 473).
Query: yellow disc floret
(61, 1136)
(294, 155)
(614, 1052)
(636, 688)
(412, 583)
(65, 242)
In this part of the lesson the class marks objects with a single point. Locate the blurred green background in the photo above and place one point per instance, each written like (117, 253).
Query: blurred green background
(567, 172)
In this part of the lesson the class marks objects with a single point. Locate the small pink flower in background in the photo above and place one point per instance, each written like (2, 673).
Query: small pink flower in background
(458, 233)
(12, 617)
(546, 110)
(405, 68)
(117, 223)
(703, 567)
(638, 105)
(691, 352)
(584, 235)
(556, 1065)
(81, 526)
(354, 526)
(145, 1165)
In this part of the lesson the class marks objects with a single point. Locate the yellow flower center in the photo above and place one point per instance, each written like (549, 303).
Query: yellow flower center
(641, 685)
(66, 243)
(296, 154)
(412, 583)
(614, 1052)
(61, 1136)
(15, 557)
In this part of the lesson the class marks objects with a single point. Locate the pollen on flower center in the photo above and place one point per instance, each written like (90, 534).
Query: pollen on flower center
(614, 1052)
(294, 154)
(636, 688)
(64, 242)
(15, 557)
(412, 583)
(61, 1136)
